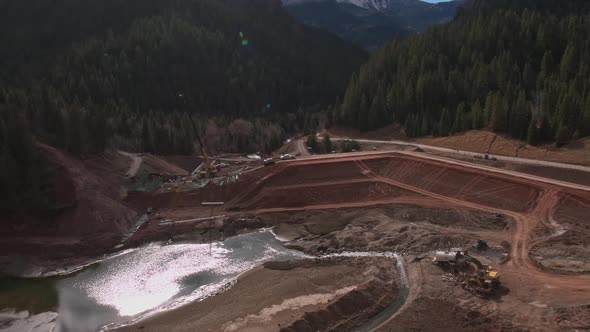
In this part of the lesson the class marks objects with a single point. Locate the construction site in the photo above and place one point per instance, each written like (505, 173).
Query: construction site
(478, 248)
(498, 248)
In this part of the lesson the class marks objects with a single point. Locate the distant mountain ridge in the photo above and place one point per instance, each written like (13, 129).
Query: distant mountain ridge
(371, 23)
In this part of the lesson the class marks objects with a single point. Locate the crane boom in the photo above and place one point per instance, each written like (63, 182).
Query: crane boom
(210, 169)
(203, 153)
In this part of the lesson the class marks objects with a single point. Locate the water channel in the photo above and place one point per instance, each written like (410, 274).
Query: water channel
(136, 283)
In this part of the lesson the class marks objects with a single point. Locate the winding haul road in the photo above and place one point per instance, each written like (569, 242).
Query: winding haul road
(523, 161)
(136, 161)
(308, 157)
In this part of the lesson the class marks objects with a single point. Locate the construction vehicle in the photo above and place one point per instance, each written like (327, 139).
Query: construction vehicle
(482, 245)
(209, 171)
(451, 257)
(485, 280)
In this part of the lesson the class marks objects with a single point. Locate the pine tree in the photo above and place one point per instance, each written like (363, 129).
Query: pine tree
(499, 113)
(146, 137)
(529, 78)
(478, 121)
(460, 123)
(409, 126)
(532, 133)
(569, 62)
(363, 113)
(563, 135)
(520, 118)
(74, 132)
(489, 108)
(312, 142)
(327, 144)
(445, 124)
(377, 115)
(547, 64)
(586, 117)
(546, 131)
(391, 104)
(426, 126)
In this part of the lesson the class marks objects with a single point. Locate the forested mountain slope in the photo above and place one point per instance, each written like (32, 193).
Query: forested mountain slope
(517, 67)
(146, 75)
(371, 23)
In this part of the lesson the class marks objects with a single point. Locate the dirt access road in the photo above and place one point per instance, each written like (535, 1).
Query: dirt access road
(136, 161)
(456, 162)
(296, 146)
(430, 148)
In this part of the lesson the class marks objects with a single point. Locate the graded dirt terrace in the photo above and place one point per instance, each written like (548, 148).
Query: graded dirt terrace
(374, 178)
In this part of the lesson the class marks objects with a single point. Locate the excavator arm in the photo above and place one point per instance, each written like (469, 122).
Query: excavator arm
(485, 272)
(475, 261)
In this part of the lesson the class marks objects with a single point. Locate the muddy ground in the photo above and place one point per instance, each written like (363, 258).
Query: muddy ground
(403, 228)
(565, 247)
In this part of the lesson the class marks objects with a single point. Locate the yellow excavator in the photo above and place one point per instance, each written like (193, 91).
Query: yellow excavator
(210, 170)
(485, 280)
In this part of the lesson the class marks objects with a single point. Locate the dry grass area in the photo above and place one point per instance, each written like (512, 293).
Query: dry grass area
(488, 142)
(391, 132)
(154, 164)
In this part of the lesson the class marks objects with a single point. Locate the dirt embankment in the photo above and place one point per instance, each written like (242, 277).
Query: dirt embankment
(457, 182)
(94, 219)
(187, 163)
(487, 142)
(378, 179)
(93, 208)
(326, 295)
(192, 200)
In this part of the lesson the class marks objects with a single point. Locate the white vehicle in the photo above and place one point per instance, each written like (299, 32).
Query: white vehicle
(287, 157)
(452, 256)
